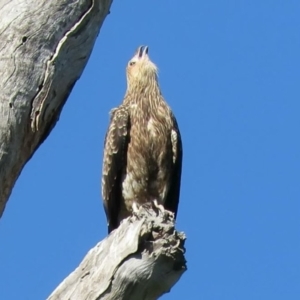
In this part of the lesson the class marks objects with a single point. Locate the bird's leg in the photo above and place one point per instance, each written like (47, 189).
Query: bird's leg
(160, 207)
(135, 209)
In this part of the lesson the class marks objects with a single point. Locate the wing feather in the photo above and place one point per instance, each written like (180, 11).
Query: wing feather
(172, 199)
(114, 161)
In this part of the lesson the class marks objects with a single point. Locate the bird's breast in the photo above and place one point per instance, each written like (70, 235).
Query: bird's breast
(149, 152)
(152, 128)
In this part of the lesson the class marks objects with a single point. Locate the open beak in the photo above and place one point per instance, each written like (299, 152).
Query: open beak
(142, 51)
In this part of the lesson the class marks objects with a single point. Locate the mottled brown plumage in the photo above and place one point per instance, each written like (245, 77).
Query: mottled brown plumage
(143, 149)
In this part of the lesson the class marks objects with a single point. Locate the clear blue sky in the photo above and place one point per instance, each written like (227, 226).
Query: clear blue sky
(230, 70)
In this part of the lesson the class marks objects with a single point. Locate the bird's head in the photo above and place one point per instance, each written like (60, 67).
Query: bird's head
(140, 69)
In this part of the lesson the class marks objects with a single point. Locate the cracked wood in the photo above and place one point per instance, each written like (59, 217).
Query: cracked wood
(45, 46)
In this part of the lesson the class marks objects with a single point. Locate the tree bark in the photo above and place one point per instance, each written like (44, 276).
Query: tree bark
(140, 260)
(44, 48)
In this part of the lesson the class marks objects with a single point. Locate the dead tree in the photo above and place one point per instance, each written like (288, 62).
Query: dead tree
(44, 48)
(140, 260)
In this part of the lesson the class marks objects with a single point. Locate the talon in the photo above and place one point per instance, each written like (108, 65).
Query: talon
(171, 214)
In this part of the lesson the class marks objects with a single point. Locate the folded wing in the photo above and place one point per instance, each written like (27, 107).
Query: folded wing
(114, 162)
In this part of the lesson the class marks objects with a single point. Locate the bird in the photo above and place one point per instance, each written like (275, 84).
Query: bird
(142, 159)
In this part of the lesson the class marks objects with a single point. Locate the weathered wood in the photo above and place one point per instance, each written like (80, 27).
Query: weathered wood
(44, 48)
(141, 260)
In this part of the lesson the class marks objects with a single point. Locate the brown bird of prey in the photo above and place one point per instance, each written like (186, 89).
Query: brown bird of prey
(143, 149)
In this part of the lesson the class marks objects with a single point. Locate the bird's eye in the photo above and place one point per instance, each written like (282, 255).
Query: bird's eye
(132, 63)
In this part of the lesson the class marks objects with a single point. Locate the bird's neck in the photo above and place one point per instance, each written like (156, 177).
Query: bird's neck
(138, 93)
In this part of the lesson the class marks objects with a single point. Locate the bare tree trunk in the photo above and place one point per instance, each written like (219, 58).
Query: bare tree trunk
(44, 47)
(141, 260)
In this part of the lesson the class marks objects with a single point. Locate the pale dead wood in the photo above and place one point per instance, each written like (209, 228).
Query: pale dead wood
(44, 48)
(141, 260)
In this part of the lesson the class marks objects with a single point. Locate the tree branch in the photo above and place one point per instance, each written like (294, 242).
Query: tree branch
(141, 260)
(44, 48)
